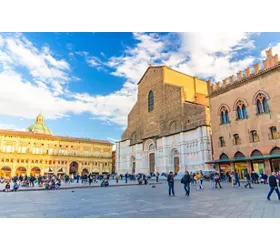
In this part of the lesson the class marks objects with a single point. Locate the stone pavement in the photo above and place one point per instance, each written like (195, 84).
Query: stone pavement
(142, 202)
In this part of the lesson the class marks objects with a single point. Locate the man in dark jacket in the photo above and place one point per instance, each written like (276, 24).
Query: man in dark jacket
(170, 181)
(253, 177)
(273, 186)
(248, 178)
(187, 181)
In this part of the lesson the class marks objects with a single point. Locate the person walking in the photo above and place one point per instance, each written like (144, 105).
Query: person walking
(236, 177)
(273, 186)
(170, 181)
(248, 178)
(126, 176)
(201, 177)
(186, 182)
(157, 175)
(198, 181)
(217, 180)
(90, 179)
(253, 177)
(211, 178)
(117, 178)
(78, 178)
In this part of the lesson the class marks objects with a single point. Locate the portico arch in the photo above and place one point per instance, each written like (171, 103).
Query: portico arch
(5, 172)
(74, 167)
(35, 171)
(21, 171)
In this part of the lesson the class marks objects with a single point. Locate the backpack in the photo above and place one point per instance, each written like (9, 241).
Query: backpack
(182, 180)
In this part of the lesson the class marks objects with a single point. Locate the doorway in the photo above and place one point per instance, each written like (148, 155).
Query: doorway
(74, 166)
(176, 164)
(152, 162)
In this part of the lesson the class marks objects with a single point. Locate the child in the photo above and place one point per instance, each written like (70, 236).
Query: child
(7, 187)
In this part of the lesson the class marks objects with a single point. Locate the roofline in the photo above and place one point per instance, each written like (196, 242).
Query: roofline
(162, 66)
(48, 136)
(243, 81)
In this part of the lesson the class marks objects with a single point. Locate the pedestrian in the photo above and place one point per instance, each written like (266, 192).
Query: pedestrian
(198, 181)
(236, 177)
(253, 177)
(201, 177)
(257, 178)
(211, 178)
(186, 181)
(117, 178)
(157, 175)
(248, 178)
(90, 178)
(126, 176)
(78, 178)
(170, 181)
(273, 186)
(217, 180)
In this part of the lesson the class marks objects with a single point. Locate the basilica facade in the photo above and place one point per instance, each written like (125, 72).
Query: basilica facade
(168, 127)
(36, 151)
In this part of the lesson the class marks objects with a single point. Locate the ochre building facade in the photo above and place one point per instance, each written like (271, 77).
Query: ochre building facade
(168, 127)
(37, 151)
(245, 116)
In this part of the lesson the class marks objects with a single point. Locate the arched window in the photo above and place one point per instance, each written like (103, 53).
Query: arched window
(262, 103)
(241, 110)
(150, 101)
(224, 115)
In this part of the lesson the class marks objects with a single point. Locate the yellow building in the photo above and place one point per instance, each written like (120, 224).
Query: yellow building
(37, 151)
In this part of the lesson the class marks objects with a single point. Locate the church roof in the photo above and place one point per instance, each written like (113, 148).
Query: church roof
(39, 127)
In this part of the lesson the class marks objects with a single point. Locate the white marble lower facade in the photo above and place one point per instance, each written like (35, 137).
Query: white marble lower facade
(187, 150)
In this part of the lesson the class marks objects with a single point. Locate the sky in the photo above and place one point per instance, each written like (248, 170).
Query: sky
(85, 84)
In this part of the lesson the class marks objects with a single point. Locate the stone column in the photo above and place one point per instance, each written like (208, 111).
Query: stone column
(267, 167)
(232, 166)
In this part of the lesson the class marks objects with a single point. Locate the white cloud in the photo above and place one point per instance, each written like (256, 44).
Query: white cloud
(203, 55)
(10, 127)
(1, 41)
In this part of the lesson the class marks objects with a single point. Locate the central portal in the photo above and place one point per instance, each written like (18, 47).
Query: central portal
(176, 164)
(152, 162)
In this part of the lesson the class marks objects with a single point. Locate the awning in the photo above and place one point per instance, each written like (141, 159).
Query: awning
(250, 158)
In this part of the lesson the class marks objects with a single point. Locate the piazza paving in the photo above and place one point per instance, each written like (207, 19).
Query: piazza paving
(140, 201)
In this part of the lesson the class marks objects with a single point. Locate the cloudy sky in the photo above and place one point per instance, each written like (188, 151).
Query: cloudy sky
(85, 83)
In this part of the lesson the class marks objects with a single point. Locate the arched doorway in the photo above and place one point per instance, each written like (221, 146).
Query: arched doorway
(35, 171)
(275, 162)
(21, 171)
(85, 171)
(257, 163)
(5, 172)
(74, 166)
(175, 160)
(133, 163)
(240, 165)
(60, 172)
(224, 164)
(152, 162)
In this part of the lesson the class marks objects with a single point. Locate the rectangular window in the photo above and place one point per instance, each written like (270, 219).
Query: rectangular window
(254, 135)
(237, 140)
(273, 132)
(222, 142)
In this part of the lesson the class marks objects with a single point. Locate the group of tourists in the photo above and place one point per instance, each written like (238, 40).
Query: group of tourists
(215, 180)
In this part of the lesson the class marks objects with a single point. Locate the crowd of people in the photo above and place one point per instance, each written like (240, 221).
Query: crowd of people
(233, 177)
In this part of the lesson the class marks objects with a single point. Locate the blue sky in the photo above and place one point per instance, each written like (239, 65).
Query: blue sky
(85, 83)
